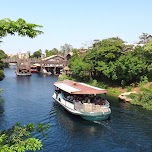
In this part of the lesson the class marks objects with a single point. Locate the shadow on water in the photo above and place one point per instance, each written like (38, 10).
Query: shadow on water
(23, 80)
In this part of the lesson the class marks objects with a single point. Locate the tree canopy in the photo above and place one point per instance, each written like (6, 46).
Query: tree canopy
(109, 61)
(19, 139)
(37, 54)
(54, 51)
(21, 27)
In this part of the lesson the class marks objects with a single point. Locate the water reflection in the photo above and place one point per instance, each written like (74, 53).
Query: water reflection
(1, 106)
(23, 80)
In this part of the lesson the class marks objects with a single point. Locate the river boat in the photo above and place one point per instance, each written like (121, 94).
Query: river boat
(82, 99)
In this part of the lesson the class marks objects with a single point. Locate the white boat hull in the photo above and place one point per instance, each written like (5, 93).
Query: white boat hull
(70, 107)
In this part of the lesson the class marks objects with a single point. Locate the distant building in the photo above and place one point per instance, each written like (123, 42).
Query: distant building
(10, 55)
(82, 51)
(130, 47)
(24, 55)
(149, 38)
(53, 64)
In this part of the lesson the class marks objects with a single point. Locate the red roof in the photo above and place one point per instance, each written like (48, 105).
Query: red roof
(73, 87)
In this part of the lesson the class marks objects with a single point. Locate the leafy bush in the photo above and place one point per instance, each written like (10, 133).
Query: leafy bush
(143, 80)
(2, 76)
(129, 88)
(98, 84)
(144, 99)
(63, 77)
(19, 139)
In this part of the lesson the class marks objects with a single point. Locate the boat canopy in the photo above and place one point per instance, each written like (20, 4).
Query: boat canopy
(73, 87)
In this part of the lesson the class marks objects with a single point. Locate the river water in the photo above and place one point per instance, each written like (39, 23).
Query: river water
(29, 100)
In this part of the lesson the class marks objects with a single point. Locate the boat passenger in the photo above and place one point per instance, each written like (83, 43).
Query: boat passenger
(71, 98)
(88, 100)
(103, 102)
(68, 97)
(77, 100)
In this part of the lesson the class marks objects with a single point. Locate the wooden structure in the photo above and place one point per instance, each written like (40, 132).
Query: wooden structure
(23, 67)
(53, 64)
(50, 65)
(23, 64)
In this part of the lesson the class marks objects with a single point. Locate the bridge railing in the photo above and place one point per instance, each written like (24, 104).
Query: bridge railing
(35, 60)
(10, 60)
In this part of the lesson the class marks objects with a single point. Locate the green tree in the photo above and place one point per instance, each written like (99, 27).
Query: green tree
(129, 68)
(110, 49)
(2, 56)
(79, 68)
(92, 58)
(138, 51)
(20, 26)
(147, 56)
(103, 55)
(148, 52)
(19, 139)
(2, 76)
(37, 54)
(74, 56)
(54, 51)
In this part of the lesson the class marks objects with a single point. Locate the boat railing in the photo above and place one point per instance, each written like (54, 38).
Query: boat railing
(107, 103)
(91, 107)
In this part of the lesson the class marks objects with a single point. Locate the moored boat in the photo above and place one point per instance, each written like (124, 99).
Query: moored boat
(82, 99)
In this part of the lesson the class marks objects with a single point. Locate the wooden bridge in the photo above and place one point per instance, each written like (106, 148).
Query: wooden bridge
(15, 60)
(53, 64)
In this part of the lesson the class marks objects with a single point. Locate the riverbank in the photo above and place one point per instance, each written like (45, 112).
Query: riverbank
(141, 95)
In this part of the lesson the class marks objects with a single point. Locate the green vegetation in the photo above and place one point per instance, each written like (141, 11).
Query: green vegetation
(54, 51)
(63, 77)
(19, 139)
(2, 56)
(143, 99)
(108, 61)
(65, 49)
(37, 54)
(8, 26)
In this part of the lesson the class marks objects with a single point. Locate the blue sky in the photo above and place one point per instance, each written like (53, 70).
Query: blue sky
(76, 22)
